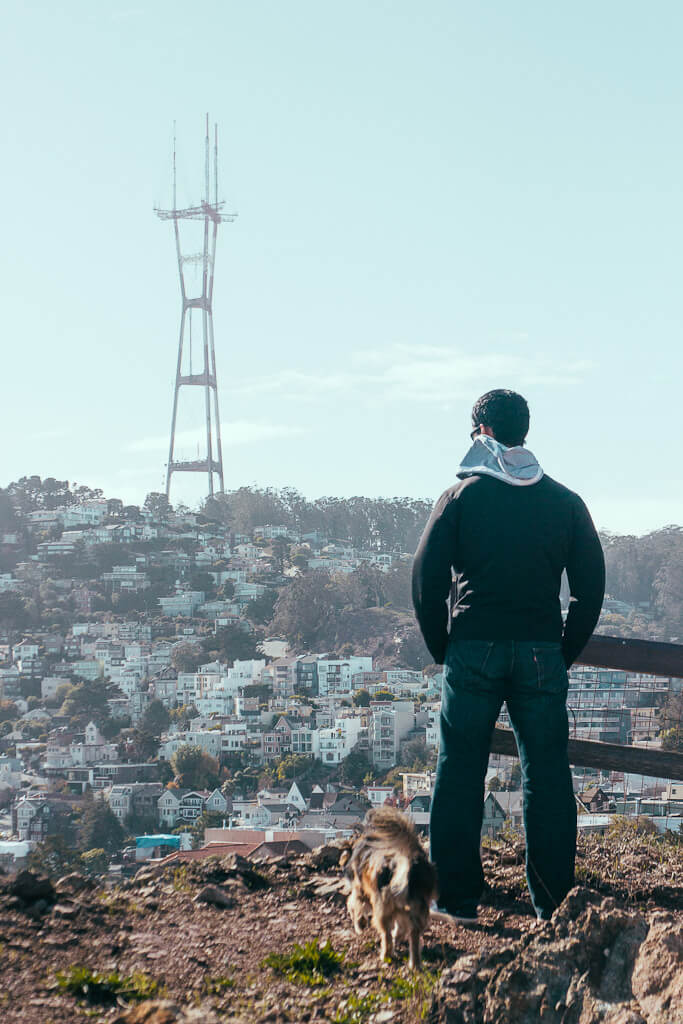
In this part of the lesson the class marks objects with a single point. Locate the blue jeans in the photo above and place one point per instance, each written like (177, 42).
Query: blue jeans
(531, 677)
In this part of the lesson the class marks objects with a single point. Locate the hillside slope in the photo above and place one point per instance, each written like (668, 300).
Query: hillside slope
(159, 948)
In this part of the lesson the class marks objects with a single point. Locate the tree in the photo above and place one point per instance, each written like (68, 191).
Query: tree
(354, 768)
(157, 503)
(187, 657)
(217, 509)
(195, 768)
(672, 739)
(307, 611)
(54, 857)
(234, 643)
(165, 773)
(415, 755)
(183, 715)
(8, 711)
(111, 727)
(383, 695)
(361, 698)
(201, 580)
(96, 861)
(209, 819)
(141, 824)
(99, 827)
(8, 515)
(671, 722)
(293, 766)
(261, 609)
(142, 746)
(87, 700)
(280, 548)
(156, 719)
(13, 611)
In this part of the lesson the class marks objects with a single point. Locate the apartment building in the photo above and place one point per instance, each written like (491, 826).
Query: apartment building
(390, 722)
(336, 676)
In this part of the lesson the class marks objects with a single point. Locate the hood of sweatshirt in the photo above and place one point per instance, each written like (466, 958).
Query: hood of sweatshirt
(488, 457)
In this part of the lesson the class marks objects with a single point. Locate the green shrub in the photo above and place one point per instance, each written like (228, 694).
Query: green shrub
(310, 964)
(97, 987)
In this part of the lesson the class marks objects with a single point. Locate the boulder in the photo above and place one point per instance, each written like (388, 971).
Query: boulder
(215, 897)
(67, 911)
(164, 1011)
(594, 963)
(29, 887)
(326, 857)
(157, 1011)
(70, 885)
(657, 979)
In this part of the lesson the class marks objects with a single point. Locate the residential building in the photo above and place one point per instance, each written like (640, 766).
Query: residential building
(184, 603)
(390, 723)
(50, 684)
(337, 676)
(177, 806)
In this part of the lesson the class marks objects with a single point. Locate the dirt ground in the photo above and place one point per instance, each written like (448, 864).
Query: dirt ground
(208, 961)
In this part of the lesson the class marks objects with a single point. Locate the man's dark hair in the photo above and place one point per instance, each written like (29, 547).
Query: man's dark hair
(506, 413)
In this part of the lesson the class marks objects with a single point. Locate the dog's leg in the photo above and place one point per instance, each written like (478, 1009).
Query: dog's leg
(384, 925)
(356, 907)
(387, 946)
(414, 948)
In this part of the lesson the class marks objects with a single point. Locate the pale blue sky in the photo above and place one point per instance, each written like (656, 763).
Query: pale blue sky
(434, 199)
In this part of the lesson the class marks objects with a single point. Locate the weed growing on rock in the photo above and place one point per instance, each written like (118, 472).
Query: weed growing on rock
(180, 880)
(415, 990)
(216, 986)
(357, 1009)
(309, 964)
(97, 987)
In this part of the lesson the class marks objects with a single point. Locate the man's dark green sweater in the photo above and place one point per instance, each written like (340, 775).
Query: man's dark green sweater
(497, 549)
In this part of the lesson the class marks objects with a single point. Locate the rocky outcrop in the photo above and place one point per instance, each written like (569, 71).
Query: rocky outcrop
(593, 963)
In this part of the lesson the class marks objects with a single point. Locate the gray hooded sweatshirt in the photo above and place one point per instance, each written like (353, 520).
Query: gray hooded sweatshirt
(488, 457)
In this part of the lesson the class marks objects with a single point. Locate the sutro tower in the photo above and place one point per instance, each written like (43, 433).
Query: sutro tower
(211, 213)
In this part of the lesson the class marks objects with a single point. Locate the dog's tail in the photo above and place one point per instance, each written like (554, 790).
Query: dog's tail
(389, 825)
(407, 871)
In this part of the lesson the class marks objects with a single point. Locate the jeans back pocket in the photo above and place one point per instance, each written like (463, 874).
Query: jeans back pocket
(551, 671)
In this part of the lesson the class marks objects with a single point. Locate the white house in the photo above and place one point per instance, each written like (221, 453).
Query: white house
(184, 603)
(337, 676)
(49, 686)
(338, 742)
(208, 739)
(93, 749)
(216, 803)
(233, 736)
(378, 795)
(252, 814)
(180, 805)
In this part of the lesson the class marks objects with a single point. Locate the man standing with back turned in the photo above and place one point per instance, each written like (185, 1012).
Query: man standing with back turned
(496, 544)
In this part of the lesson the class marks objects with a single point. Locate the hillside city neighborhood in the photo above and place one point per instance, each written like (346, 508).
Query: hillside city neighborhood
(151, 705)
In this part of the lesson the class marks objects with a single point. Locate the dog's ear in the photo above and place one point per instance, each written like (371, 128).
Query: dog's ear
(345, 857)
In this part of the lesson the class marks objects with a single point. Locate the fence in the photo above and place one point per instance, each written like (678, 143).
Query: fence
(642, 677)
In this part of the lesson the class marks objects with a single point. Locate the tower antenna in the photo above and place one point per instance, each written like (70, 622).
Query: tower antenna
(210, 215)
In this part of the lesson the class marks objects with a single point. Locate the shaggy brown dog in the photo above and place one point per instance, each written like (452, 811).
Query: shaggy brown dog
(392, 881)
